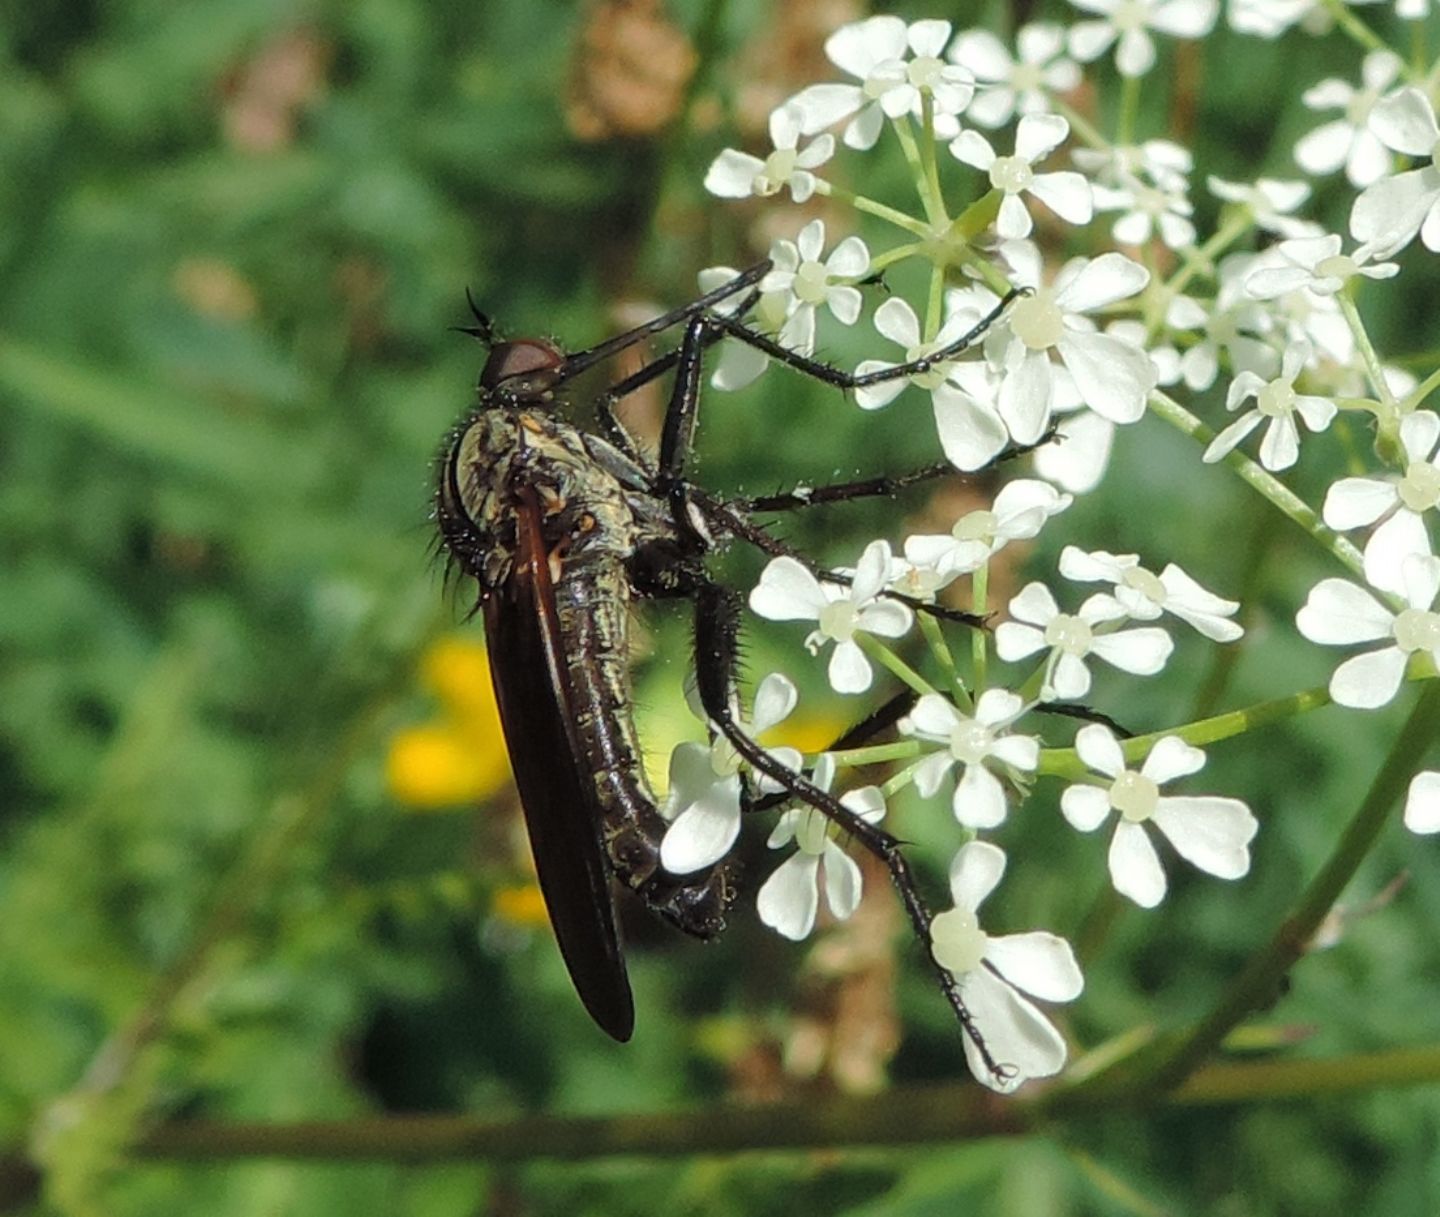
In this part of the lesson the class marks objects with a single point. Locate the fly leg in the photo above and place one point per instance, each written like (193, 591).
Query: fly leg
(717, 623)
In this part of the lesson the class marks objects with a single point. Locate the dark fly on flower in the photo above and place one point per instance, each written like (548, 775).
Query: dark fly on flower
(562, 529)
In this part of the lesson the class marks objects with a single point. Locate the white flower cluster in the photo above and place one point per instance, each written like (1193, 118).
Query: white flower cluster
(1083, 348)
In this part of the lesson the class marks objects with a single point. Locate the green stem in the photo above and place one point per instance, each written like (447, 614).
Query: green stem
(1354, 28)
(940, 648)
(858, 201)
(928, 160)
(908, 1115)
(1389, 416)
(1274, 491)
(887, 658)
(1129, 109)
(1066, 763)
(1263, 975)
(980, 639)
(1420, 392)
(931, 201)
(877, 754)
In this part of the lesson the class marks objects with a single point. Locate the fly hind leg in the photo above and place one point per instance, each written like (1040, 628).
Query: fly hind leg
(717, 623)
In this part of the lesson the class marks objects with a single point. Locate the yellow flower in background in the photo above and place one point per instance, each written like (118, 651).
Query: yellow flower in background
(459, 758)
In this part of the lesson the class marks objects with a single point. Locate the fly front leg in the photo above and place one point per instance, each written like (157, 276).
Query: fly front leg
(746, 280)
(717, 625)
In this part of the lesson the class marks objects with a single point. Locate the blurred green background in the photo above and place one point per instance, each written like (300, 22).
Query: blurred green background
(232, 238)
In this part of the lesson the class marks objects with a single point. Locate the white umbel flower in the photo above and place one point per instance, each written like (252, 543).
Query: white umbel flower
(805, 283)
(1389, 212)
(789, 592)
(789, 899)
(1128, 23)
(703, 800)
(1338, 613)
(1065, 192)
(1270, 203)
(1277, 401)
(1018, 513)
(973, 743)
(738, 175)
(995, 971)
(1209, 832)
(970, 428)
(1402, 503)
(1071, 639)
(1145, 595)
(1113, 378)
(1314, 264)
(1038, 68)
(894, 63)
(1348, 141)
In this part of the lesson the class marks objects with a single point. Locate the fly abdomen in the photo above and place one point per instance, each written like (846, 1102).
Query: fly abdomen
(592, 604)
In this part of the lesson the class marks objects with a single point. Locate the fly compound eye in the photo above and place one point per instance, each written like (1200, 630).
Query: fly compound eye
(529, 363)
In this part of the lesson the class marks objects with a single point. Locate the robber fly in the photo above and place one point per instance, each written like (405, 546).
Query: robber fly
(562, 529)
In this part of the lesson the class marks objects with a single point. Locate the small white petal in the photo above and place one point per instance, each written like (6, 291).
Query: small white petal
(842, 881)
(1355, 502)
(732, 174)
(787, 592)
(849, 670)
(1135, 867)
(1142, 652)
(1280, 446)
(1071, 678)
(1172, 758)
(974, 873)
(1016, 1034)
(1338, 612)
(1369, 681)
(701, 835)
(971, 432)
(775, 699)
(931, 771)
(1085, 807)
(979, 798)
(1402, 535)
(1114, 378)
(1096, 745)
(1422, 803)
(1038, 963)
(1230, 438)
(1211, 833)
(1014, 641)
(896, 320)
(1034, 604)
(788, 899)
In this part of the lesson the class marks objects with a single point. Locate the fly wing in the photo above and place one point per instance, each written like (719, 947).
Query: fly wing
(562, 816)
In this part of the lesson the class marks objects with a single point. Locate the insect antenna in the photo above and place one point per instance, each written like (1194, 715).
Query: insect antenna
(484, 327)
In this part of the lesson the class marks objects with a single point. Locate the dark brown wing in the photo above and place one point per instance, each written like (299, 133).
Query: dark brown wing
(527, 664)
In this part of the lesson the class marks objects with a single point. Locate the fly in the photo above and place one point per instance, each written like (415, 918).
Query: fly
(563, 530)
